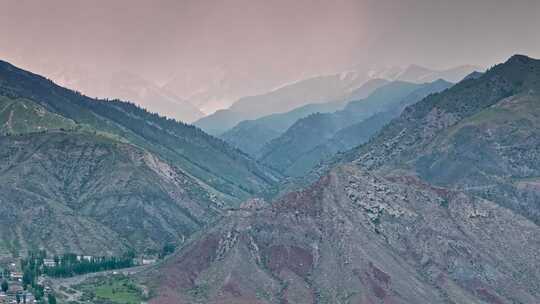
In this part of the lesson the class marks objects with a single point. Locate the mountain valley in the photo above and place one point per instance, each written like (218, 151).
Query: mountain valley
(415, 193)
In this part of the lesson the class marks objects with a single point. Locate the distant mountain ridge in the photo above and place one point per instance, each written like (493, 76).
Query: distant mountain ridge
(312, 90)
(479, 136)
(440, 206)
(251, 135)
(420, 74)
(128, 86)
(224, 121)
(311, 139)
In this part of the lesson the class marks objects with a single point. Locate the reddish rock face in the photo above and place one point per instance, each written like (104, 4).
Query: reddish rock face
(296, 259)
(362, 238)
(379, 275)
(182, 273)
(233, 289)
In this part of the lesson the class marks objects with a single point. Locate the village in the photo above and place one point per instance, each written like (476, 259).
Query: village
(12, 289)
(32, 279)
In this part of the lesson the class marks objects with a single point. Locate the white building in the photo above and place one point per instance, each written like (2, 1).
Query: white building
(49, 262)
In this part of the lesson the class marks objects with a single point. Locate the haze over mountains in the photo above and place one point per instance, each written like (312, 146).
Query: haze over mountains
(270, 152)
(438, 207)
(436, 202)
(128, 86)
(321, 89)
(251, 135)
(319, 136)
(97, 167)
(81, 162)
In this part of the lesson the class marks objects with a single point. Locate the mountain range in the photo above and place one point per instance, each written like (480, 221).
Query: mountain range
(236, 123)
(319, 136)
(128, 86)
(251, 135)
(437, 207)
(419, 74)
(114, 175)
(318, 89)
(435, 199)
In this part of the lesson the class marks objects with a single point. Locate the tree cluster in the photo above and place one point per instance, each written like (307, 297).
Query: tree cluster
(69, 265)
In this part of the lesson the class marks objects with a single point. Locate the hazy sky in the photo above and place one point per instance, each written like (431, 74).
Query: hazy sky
(273, 41)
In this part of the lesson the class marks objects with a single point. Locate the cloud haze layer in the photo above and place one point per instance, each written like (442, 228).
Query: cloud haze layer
(226, 49)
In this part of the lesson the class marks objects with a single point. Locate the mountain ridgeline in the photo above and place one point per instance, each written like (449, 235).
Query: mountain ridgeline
(415, 193)
(480, 136)
(439, 206)
(208, 159)
(320, 89)
(321, 135)
(251, 135)
(115, 176)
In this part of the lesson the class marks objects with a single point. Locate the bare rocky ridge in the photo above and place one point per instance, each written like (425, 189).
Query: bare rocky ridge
(439, 207)
(354, 237)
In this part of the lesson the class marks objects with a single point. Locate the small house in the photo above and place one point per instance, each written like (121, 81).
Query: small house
(148, 261)
(16, 276)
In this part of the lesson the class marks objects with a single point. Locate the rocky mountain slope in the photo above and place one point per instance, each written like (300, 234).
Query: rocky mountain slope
(78, 191)
(480, 136)
(311, 139)
(230, 173)
(353, 237)
(103, 177)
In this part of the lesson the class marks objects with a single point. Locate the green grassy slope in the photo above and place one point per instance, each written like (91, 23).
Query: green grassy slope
(18, 115)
